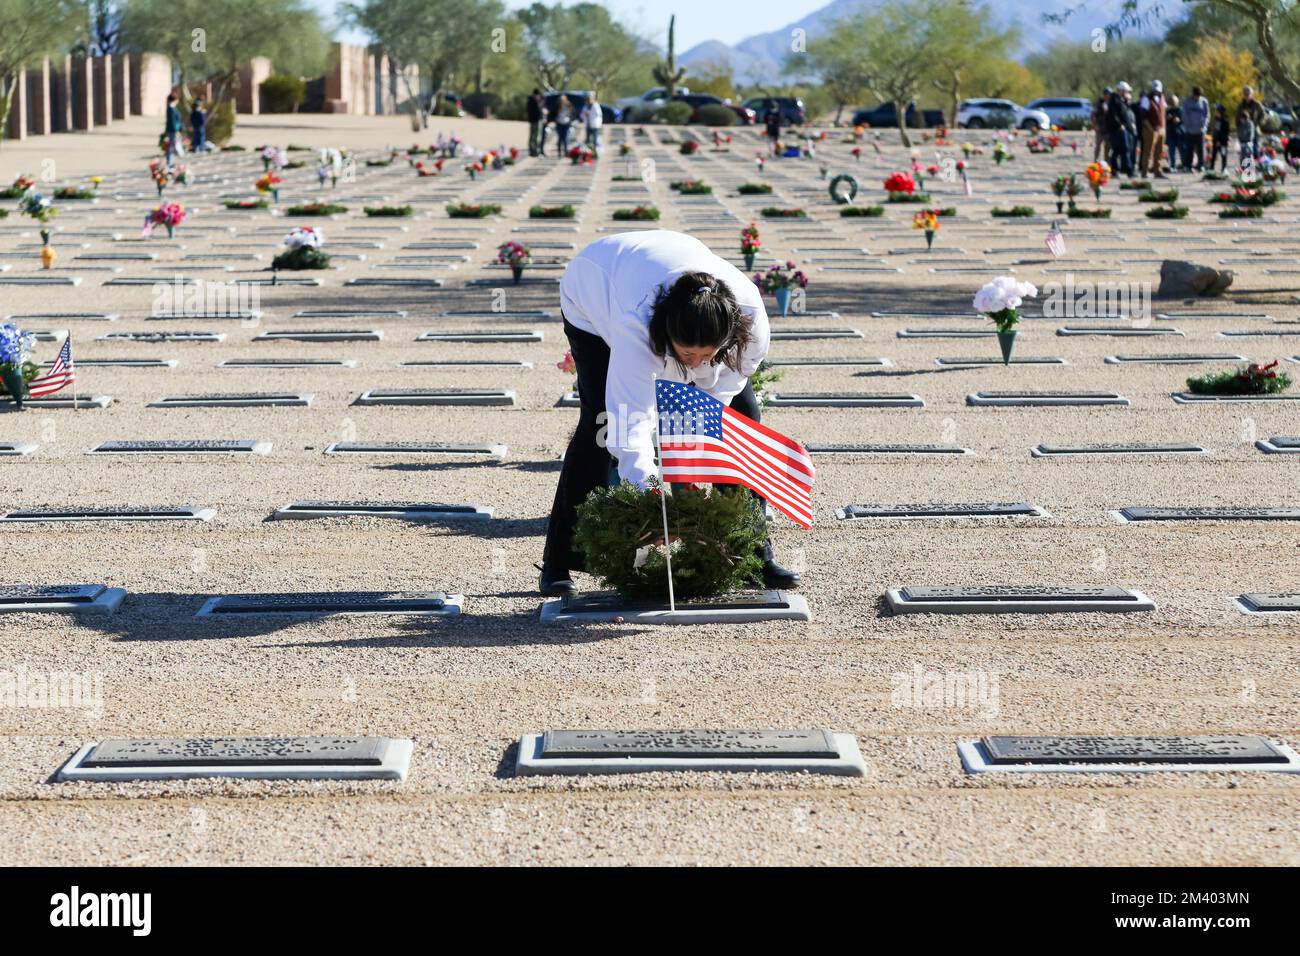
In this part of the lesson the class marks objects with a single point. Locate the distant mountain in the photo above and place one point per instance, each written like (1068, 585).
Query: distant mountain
(760, 58)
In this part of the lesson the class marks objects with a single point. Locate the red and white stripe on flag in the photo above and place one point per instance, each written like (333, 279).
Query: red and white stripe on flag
(721, 446)
(61, 374)
(1055, 242)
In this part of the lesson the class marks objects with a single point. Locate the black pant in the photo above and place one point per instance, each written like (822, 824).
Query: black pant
(587, 466)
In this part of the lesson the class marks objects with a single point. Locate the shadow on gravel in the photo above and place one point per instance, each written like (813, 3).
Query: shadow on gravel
(146, 616)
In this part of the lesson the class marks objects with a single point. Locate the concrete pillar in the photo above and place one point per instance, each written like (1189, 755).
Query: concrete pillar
(248, 99)
(61, 94)
(121, 85)
(81, 90)
(153, 81)
(101, 68)
(39, 116)
(16, 125)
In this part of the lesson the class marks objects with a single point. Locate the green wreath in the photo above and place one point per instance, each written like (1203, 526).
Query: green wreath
(834, 189)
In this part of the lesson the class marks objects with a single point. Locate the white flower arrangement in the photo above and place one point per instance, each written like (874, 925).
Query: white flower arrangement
(1001, 298)
(275, 156)
(305, 236)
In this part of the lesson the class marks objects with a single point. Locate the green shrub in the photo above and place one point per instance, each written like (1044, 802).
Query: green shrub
(1163, 195)
(1081, 212)
(720, 533)
(753, 189)
(221, 124)
(639, 213)
(1014, 212)
(715, 114)
(909, 197)
(316, 209)
(482, 104)
(1246, 380)
(462, 210)
(246, 204)
(1167, 212)
(1138, 184)
(862, 211)
(282, 93)
(552, 212)
(691, 187)
(672, 113)
(387, 210)
(1241, 212)
(776, 212)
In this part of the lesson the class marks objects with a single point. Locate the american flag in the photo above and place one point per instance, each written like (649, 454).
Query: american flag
(966, 184)
(61, 374)
(1055, 241)
(702, 440)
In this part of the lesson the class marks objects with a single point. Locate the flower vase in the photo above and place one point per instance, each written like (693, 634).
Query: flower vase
(275, 194)
(929, 239)
(749, 261)
(1060, 207)
(12, 376)
(1007, 342)
(334, 182)
(47, 257)
(518, 273)
(783, 300)
(170, 229)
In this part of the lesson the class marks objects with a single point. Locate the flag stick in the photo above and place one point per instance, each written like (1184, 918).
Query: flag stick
(663, 505)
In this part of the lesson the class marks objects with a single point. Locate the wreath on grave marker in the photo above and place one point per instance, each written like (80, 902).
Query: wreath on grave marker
(846, 196)
(717, 536)
(1252, 379)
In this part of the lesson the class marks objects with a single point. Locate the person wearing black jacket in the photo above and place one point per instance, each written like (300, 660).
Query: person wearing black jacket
(1121, 127)
(536, 122)
(1220, 130)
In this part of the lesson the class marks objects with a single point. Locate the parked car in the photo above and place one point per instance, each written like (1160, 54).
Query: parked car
(792, 112)
(884, 115)
(744, 116)
(1064, 111)
(1286, 116)
(1000, 114)
(608, 113)
(647, 102)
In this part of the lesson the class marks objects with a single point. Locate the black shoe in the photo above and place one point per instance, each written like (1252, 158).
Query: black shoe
(779, 577)
(553, 583)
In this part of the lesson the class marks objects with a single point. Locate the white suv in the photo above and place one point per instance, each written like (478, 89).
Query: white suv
(1000, 114)
(1064, 110)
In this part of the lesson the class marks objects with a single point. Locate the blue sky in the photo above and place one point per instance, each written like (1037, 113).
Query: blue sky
(725, 20)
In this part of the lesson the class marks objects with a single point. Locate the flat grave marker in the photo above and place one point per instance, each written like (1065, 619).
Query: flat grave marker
(952, 450)
(1074, 451)
(1014, 599)
(235, 400)
(183, 447)
(406, 510)
(982, 509)
(1211, 513)
(1260, 603)
(327, 603)
(65, 598)
(258, 758)
(109, 513)
(1228, 752)
(414, 449)
(614, 751)
(437, 396)
(844, 400)
(604, 607)
(1279, 445)
(1043, 399)
(9, 449)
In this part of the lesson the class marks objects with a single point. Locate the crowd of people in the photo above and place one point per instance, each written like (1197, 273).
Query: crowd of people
(1160, 132)
(561, 114)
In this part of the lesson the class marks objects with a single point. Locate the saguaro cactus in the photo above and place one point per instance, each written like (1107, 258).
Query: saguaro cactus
(668, 72)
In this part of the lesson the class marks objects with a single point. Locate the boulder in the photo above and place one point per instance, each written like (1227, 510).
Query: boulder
(1187, 280)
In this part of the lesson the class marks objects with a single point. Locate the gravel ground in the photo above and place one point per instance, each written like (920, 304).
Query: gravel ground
(465, 690)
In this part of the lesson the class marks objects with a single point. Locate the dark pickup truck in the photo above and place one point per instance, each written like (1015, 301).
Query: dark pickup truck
(886, 115)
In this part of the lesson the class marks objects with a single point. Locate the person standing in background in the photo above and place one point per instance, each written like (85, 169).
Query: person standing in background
(1196, 120)
(593, 119)
(563, 121)
(1099, 127)
(1173, 131)
(1120, 128)
(772, 126)
(1152, 125)
(1249, 115)
(172, 128)
(536, 122)
(1220, 130)
(198, 126)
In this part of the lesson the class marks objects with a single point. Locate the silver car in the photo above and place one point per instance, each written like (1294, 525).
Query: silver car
(1064, 111)
(1000, 114)
(646, 103)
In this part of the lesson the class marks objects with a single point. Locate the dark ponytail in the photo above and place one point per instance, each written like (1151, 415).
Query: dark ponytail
(700, 310)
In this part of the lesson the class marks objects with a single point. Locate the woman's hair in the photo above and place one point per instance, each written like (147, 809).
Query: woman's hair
(699, 310)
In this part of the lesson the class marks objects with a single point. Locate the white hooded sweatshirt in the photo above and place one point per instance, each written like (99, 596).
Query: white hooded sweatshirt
(609, 289)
